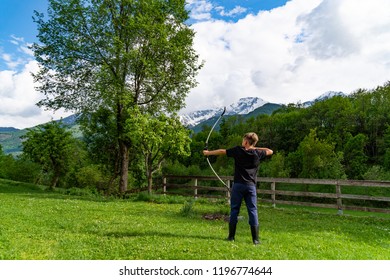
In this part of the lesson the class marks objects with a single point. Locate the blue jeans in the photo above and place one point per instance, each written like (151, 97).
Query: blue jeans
(248, 193)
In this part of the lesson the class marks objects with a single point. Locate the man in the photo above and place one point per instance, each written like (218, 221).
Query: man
(247, 158)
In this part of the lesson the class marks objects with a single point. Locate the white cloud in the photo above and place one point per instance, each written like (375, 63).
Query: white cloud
(12, 62)
(17, 39)
(200, 10)
(235, 11)
(293, 53)
(26, 50)
(289, 54)
(18, 98)
(325, 34)
(18, 55)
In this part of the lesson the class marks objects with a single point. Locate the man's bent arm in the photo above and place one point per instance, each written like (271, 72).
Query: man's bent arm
(268, 152)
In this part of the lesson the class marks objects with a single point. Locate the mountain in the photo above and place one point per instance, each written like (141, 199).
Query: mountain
(8, 129)
(324, 96)
(70, 120)
(10, 137)
(245, 107)
(10, 140)
(267, 109)
(242, 107)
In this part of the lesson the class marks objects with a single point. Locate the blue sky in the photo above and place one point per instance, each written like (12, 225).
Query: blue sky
(232, 10)
(17, 28)
(280, 51)
(16, 17)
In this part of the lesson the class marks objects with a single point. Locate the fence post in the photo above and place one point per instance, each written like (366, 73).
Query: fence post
(165, 185)
(196, 189)
(339, 200)
(273, 196)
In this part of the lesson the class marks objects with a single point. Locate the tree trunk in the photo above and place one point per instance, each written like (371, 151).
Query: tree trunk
(55, 179)
(150, 182)
(124, 168)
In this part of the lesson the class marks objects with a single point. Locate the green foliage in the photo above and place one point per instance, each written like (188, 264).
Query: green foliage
(355, 159)
(318, 159)
(50, 146)
(157, 139)
(276, 167)
(19, 169)
(177, 168)
(351, 136)
(158, 199)
(2, 156)
(377, 172)
(136, 53)
(188, 208)
(386, 147)
(89, 176)
(99, 134)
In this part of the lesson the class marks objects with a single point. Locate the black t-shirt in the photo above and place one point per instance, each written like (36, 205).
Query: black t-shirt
(246, 163)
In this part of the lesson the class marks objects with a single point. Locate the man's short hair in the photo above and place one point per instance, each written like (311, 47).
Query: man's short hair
(252, 138)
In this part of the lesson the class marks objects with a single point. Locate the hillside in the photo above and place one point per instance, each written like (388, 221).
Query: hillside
(10, 137)
(266, 109)
(10, 140)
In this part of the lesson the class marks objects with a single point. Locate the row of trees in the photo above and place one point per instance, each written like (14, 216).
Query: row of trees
(51, 154)
(344, 137)
(341, 137)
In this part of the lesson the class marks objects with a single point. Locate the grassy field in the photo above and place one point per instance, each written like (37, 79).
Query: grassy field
(39, 225)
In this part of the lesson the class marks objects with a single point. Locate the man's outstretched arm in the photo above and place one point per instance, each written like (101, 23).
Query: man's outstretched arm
(218, 152)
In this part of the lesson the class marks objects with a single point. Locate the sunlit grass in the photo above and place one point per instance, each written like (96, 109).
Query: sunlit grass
(39, 225)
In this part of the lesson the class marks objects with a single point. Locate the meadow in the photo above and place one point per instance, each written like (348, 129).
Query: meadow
(39, 225)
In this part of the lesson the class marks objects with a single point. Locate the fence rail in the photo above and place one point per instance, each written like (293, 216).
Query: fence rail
(278, 196)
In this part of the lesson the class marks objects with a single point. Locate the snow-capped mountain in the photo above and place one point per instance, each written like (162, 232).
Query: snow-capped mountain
(241, 107)
(245, 106)
(324, 96)
(196, 117)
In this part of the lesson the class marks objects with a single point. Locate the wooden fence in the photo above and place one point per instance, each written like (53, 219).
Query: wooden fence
(277, 189)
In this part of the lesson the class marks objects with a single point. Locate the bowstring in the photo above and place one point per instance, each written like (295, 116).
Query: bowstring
(206, 148)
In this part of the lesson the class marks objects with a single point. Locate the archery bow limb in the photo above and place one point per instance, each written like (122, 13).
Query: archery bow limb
(207, 147)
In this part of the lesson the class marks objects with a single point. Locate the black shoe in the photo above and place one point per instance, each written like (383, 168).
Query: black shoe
(255, 234)
(232, 232)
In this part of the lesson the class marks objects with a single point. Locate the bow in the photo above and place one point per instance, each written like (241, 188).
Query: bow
(207, 147)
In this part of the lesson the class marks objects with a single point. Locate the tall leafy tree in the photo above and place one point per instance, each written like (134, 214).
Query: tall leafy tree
(355, 159)
(49, 145)
(157, 138)
(318, 158)
(115, 54)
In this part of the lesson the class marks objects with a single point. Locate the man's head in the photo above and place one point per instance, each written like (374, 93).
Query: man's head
(251, 138)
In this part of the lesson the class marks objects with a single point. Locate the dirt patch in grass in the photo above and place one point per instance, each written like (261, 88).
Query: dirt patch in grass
(216, 216)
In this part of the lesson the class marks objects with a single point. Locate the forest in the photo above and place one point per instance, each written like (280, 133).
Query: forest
(343, 137)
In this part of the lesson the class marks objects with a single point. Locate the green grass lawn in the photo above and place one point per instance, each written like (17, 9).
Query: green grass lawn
(39, 225)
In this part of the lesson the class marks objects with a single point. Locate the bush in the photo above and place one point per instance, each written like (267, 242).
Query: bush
(89, 176)
(376, 172)
(187, 210)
